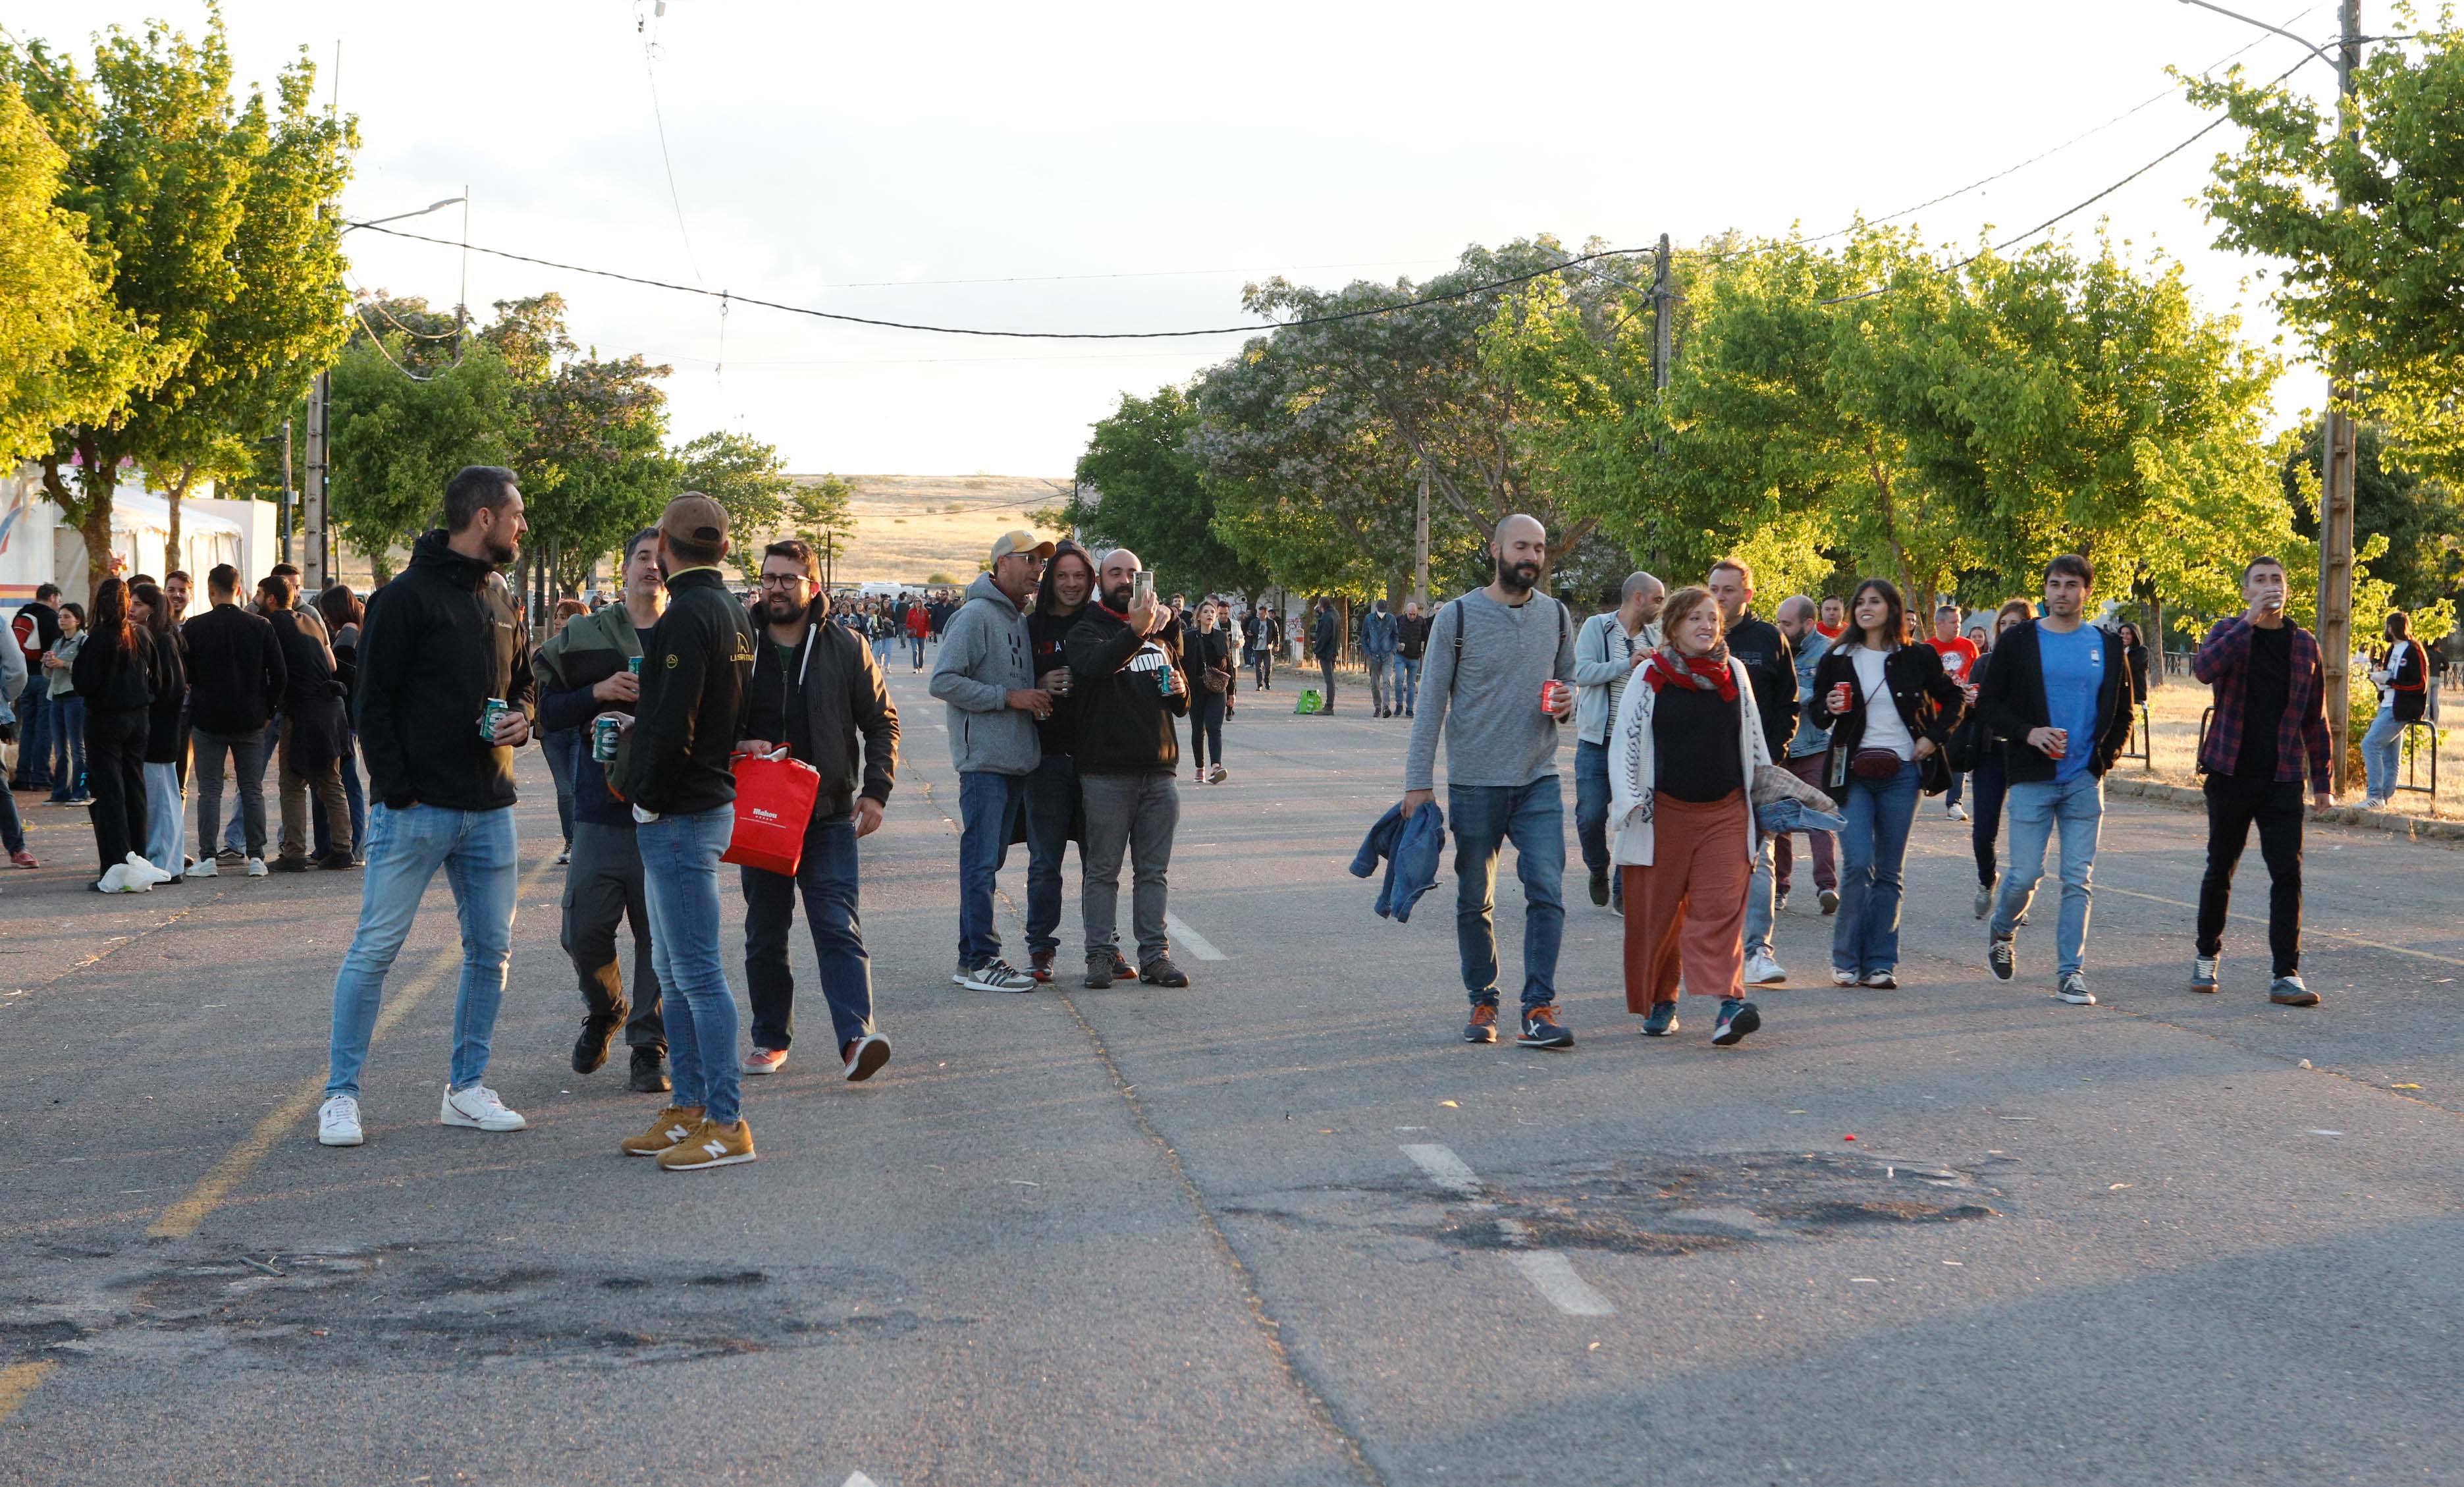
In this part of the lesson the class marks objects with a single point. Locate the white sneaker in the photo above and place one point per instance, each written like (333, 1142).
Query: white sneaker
(1761, 970)
(203, 867)
(478, 1108)
(256, 867)
(138, 867)
(996, 975)
(1956, 812)
(338, 1122)
(1843, 978)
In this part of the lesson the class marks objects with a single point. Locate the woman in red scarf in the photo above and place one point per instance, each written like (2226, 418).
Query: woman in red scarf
(1681, 762)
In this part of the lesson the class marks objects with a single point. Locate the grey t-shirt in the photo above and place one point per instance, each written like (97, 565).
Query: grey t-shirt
(1489, 709)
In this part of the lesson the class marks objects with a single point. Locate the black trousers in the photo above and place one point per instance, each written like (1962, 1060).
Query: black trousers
(115, 768)
(1325, 669)
(1985, 826)
(1206, 727)
(603, 890)
(2274, 807)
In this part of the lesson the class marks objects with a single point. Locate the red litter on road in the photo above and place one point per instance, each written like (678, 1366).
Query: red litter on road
(1847, 1138)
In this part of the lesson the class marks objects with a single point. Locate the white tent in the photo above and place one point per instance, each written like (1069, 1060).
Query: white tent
(140, 526)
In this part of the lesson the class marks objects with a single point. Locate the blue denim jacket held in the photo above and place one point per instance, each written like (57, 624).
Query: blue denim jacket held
(1411, 847)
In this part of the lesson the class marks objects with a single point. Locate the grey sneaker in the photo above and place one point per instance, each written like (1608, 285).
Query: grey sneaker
(2203, 973)
(1983, 903)
(2288, 991)
(1163, 972)
(1099, 970)
(996, 975)
(2001, 956)
(2073, 990)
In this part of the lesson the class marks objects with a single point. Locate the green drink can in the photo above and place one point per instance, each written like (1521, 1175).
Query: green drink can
(496, 708)
(603, 732)
(633, 664)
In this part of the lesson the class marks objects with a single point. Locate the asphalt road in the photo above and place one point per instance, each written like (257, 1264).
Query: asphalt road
(1282, 1227)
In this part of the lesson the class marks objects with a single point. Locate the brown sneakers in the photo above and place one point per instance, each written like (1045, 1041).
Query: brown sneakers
(673, 1124)
(710, 1145)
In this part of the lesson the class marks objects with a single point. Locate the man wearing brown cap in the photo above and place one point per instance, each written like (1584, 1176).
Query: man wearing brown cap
(674, 765)
(986, 675)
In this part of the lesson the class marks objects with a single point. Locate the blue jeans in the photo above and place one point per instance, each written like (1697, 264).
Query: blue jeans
(2382, 752)
(34, 733)
(476, 850)
(1761, 894)
(1407, 682)
(1051, 806)
(1592, 811)
(680, 880)
(2037, 807)
(358, 804)
(68, 747)
(989, 806)
(1865, 936)
(827, 878)
(1533, 818)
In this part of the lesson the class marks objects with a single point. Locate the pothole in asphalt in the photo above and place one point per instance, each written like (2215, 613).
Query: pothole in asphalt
(433, 1307)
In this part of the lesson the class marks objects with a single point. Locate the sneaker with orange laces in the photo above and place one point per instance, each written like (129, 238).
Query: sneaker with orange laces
(1540, 1029)
(1483, 1027)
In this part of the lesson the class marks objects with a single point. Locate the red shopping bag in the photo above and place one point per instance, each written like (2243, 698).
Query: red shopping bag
(774, 803)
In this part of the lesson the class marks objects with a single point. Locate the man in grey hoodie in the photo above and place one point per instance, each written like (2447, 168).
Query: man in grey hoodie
(986, 675)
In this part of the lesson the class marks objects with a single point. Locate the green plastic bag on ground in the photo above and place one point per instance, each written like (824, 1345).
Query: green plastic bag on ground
(1308, 703)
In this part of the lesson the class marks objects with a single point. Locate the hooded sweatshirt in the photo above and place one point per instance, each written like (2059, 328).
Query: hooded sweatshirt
(986, 653)
(436, 644)
(1124, 718)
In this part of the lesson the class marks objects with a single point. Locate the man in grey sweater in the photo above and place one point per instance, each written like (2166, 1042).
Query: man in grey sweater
(1490, 654)
(986, 675)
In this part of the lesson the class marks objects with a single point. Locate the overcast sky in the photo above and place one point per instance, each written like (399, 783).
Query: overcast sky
(1119, 166)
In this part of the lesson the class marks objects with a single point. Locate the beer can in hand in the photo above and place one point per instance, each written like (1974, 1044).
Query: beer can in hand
(496, 708)
(1056, 681)
(1552, 696)
(605, 730)
(633, 664)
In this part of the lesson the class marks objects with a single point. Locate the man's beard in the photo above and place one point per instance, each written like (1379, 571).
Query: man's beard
(501, 556)
(1519, 577)
(781, 610)
(1120, 598)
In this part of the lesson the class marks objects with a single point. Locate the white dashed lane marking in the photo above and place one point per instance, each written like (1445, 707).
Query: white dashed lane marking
(1551, 1272)
(1198, 944)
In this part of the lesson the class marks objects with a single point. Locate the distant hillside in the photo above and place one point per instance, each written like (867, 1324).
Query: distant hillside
(909, 527)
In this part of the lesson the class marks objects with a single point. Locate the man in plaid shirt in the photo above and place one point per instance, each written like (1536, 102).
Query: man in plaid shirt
(2270, 727)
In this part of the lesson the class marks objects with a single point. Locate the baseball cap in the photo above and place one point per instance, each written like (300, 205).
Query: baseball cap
(694, 517)
(1019, 541)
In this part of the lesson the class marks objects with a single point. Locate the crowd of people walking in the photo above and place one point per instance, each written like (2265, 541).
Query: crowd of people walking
(1708, 738)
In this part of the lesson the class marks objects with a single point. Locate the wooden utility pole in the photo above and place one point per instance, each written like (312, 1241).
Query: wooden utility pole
(2336, 458)
(1663, 296)
(311, 506)
(1420, 543)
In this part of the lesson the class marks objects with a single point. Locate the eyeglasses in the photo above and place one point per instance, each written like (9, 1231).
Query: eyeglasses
(783, 580)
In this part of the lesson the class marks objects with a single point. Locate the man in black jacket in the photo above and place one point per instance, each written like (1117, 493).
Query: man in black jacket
(236, 678)
(1326, 637)
(674, 766)
(444, 699)
(1128, 687)
(815, 689)
(1771, 664)
(2058, 696)
(314, 732)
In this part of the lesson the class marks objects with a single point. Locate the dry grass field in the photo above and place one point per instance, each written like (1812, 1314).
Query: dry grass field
(909, 527)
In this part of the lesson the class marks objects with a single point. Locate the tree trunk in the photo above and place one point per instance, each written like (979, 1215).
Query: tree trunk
(2155, 638)
(95, 528)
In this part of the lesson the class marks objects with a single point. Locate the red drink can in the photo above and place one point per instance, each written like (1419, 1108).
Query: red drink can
(1552, 696)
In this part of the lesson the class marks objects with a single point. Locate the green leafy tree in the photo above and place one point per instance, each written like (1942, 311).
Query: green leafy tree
(68, 352)
(212, 213)
(397, 441)
(2422, 520)
(1140, 486)
(746, 478)
(821, 511)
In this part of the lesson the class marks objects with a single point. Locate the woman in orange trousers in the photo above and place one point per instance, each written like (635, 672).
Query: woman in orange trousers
(1681, 762)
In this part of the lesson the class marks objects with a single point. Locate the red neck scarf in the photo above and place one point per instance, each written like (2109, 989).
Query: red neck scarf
(1668, 667)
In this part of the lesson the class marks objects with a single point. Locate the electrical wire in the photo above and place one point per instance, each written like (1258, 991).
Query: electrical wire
(369, 302)
(650, 70)
(1025, 335)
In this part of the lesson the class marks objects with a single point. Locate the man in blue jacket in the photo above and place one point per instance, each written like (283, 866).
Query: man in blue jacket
(2058, 695)
(1378, 637)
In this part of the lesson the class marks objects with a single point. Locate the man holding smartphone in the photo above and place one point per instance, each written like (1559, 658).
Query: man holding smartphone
(2270, 726)
(1124, 655)
(2058, 696)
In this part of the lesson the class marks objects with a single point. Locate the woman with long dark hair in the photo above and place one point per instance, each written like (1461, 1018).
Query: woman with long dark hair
(1889, 707)
(2134, 653)
(1993, 785)
(1214, 667)
(115, 675)
(166, 803)
(1055, 816)
(344, 612)
(67, 709)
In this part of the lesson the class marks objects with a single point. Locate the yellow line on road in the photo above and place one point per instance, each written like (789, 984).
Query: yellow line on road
(16, 1382)
(181, 1219)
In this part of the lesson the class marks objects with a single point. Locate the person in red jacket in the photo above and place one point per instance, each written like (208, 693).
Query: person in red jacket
(919, 624)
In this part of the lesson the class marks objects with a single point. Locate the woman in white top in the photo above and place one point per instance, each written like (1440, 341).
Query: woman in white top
(1889, 706)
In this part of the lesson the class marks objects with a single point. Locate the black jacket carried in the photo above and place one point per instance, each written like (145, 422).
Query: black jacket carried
(237, 678)
(164, 735)
(837, 686)
(435, 645)
(1771, 666)
(676, 758)
(2012, 697)
(111, 679)
(1929, 703)
(313, 700)
(1124, 718)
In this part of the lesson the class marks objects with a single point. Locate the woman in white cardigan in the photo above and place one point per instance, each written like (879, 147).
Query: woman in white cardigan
(1681, 762)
